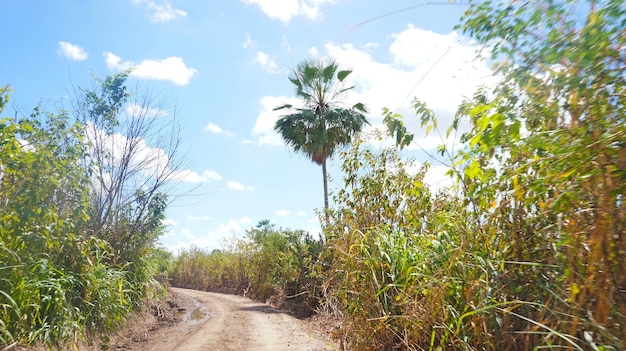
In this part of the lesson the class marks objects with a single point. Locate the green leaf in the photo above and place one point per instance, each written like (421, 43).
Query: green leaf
(473, 170)
(343, 74)
(359, 106)
(285, 106)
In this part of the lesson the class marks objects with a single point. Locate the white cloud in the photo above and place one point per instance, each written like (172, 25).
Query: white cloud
(437, 179)
(285, 10)
(266, 62)
(162, 12)
(213, 239)
(172, 68)
(190, 176)
(196, 219)
(146, 160)
(301, 213)
(214, 128)
(264, 126)
(232, 185)
(285, 43)
(136, 110)
(72, 51)
(283, 212)
(439, 69)
(114, 62)
(208, 241)
(249, 42)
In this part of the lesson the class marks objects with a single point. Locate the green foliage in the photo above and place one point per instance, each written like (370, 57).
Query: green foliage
(322, 124)
(268, 264)
(404, 266)
(4, 97)
(60, 283)
(396, 128)
(53, 282)
(163, 259)
(530, 254)
(546, 154)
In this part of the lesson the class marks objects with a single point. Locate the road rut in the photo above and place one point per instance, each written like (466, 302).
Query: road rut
(227, 322)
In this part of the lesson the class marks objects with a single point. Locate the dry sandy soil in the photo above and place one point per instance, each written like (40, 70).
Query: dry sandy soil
(212, 321)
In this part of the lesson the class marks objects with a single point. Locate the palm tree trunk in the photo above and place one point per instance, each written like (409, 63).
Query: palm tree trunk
(325, 189)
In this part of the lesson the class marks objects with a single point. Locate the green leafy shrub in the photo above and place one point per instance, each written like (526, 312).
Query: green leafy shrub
(267, 264)
(61, 281)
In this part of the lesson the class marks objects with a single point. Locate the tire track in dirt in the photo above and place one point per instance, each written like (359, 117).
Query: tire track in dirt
(225, 322)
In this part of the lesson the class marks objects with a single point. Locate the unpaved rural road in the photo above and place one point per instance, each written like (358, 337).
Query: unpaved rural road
(226, 322)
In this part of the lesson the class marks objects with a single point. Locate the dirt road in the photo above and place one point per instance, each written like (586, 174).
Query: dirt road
(213, 321)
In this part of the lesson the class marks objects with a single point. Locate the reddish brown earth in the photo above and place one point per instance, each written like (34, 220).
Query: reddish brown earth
(195, 320)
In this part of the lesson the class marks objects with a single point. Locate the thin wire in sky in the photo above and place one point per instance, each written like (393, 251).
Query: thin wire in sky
(429, 3)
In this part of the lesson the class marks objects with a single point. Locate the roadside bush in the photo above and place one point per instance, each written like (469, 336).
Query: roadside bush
(268, 264)
(410, 270)
(61, 281)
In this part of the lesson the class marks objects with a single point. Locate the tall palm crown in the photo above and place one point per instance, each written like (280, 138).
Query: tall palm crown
(324, 123)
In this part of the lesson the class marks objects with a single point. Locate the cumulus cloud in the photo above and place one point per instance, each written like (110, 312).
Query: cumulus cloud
(245, 220)
(213, 239)
(136, 110)
(215, 129)
(285, 10)
(161, 12)
(190, 176)
(196, 219)
(149, 161)
(171, 69)
(232, 185)
(72, 51)
(283, 212)
(264, 126)
(266, 62)
(439, 69)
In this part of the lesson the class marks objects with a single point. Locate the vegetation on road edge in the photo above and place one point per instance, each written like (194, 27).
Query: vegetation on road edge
(78, 220)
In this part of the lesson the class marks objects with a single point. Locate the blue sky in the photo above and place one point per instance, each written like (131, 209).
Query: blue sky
(221, 67)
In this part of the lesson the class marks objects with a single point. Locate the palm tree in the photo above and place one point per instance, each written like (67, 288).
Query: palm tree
(324, 123)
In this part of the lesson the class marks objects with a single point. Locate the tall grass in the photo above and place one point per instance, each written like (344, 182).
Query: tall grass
(59, 282)
(444, 279)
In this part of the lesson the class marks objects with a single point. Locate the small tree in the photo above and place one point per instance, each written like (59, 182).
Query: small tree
(133, 147)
